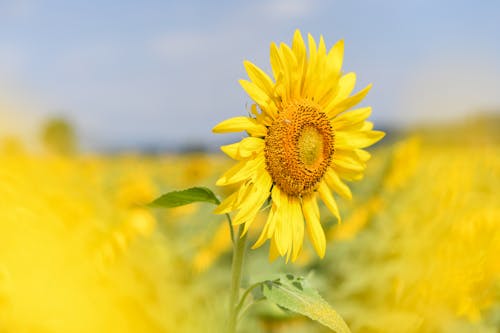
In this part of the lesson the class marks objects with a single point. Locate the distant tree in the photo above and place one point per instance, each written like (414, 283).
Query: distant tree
(58, 136)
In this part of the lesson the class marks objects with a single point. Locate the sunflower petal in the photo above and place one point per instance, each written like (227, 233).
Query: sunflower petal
(346, 85)
(321, 48)
(298, 46)
(227, 205)
(270, 226)
(361, 139)
(336, 56)
(246, 148)
(327, 197)
(256, 93)
(240, 124)
(297, 225)
(263, 235)
(349, 102)
(348, 163)
(275, 196)
(313, 225)
(273, 250)
(333, 180)
(242, 171)
(282, 234)
(276, 63)
(363, 155)
(350, 119)
(313, 53)
(259, 78)
(367, 126)
(259, 194)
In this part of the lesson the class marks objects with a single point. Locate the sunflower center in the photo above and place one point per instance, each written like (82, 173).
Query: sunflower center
(299, 148)
(310, 146)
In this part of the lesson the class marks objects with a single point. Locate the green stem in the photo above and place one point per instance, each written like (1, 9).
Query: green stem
(230, 223)
(239, 248)
(242, 300)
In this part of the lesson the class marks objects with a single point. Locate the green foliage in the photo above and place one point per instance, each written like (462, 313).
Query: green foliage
(58, 136)
(184, 197)
(295, 294)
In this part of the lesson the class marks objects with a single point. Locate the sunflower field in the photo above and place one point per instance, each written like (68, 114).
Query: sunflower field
(418, 249)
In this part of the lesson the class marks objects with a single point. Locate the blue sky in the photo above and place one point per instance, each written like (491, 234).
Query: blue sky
(131, 73)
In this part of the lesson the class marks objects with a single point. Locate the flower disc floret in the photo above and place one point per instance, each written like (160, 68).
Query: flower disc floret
(299, 148)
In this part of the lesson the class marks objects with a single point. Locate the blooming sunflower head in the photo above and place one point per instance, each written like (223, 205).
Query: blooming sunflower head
(303, 142)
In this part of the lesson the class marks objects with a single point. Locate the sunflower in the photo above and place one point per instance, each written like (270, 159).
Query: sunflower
(302, 143)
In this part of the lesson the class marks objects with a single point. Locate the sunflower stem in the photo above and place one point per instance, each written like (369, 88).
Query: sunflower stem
(230, 224)
(239, 248)
(245, 294)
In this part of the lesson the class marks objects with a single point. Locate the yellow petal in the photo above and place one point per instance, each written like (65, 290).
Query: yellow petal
(227, 205)
(298, 46)
(297, 225)
(292, 74)
(264, 117)
(351, 118)
(367, 126)
(256, 93)
(313, 54)
(336, 56)
(278, 235)
(351, 156)
(275, 196)
(347, 163)
(348, 103)
(250, 207)
(347, 174)
(259, 193)
(327, 197)
(282, 234)
(234, 200)
(321, 48)
(352, 140)
(269, 228)
(346, 85)
(239, 124)
(313, 225)
(263, 235)
(250, 147)
(231, 150)
(244, 170)
(273, 250)
(259, 77)
(246, 148)
(276, 63)
(363, 155)
(333, 180)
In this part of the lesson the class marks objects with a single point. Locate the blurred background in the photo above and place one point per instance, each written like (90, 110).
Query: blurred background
(106, 105)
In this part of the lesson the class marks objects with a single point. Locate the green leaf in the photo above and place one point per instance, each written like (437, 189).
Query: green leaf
(184, 197)
(295, 294)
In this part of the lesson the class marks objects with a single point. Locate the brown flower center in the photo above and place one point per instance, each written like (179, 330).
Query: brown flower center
(299, 148)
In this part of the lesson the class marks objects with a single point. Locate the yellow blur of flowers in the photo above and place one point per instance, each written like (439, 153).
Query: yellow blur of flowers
(80, 252)
(428, 253)
(417, 250)
(304, 142)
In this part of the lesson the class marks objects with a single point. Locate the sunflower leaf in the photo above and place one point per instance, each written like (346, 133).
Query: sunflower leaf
(184, 197)
(295, 294)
